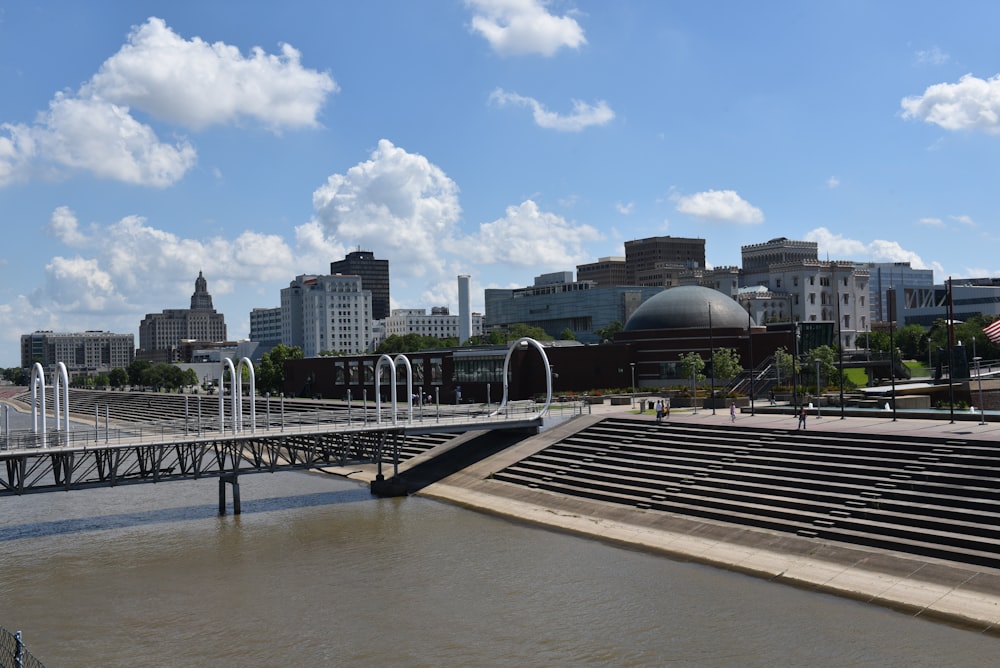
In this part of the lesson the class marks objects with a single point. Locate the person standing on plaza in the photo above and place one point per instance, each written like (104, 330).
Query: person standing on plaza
(802, 418)
(732, 411)
(666, 408)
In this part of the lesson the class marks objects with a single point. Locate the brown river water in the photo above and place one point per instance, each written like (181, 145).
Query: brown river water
(316, 572)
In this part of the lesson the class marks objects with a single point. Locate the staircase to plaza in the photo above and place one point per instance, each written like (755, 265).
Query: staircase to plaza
(933, 497)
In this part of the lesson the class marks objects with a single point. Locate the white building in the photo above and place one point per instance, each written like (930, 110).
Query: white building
(326, 313)
(439, 323)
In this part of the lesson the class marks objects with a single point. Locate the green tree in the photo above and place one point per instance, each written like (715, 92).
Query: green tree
(567, 335)
(136, 370)
(726, 364)
(827, 358)
(692, 363)
(607, 334)
(786, 364)
(118, 377)
(271, 371)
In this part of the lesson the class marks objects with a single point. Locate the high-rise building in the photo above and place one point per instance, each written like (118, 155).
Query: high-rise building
(757, 258)
(374, 278)
(898, 276)
(265, 325)
(326, 313)
(83, 352)
(161, 334)
(658, 261)
(606, 272)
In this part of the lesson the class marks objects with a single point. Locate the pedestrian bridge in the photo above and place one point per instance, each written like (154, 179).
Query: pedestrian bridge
(154, 437)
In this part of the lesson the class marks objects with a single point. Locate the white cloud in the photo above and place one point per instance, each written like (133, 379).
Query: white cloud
(64, 227)
(931, 222)
(397, 202)
(964, 220)
(838, 247)
(527, 237)
(931, 56)
(625, 208)
(970, 104)
(584, 115)
(516, 27)
(833, 182)
(719, 205)
(184, 82)
(196, 84)
(402, 205)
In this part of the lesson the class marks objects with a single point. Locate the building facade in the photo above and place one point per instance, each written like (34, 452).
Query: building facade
(265, 325)
(89, 352)
(898, 276)
(439, 323)
(556, 303)
(327, 314)
(374, 278)
(658, 261)
(606, 272)
(161, 334)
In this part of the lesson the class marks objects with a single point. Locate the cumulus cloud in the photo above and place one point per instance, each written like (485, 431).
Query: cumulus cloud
(405, 206)
(528, 237)
(837, 246)
(396, 201)
(111, 272)
(187, 83)
(584, 115)
(970, 104)
(518, 27)
(196, 84)
(719, 205)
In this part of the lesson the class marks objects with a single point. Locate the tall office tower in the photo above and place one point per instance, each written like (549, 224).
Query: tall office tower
(326, 314)
(658, 261)
(374, 278)
(160, 334)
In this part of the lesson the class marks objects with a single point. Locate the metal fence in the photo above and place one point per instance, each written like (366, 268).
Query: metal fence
(13, 653)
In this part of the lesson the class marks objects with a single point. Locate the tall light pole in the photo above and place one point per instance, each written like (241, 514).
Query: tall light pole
(632, 364)
(979, 379)
(818, 390)
(750, 348)
(711, 356)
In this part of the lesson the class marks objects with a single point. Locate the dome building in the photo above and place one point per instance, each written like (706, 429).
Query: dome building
(689, 306)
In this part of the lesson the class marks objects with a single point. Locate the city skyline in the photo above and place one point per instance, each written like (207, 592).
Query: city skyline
(141, 143)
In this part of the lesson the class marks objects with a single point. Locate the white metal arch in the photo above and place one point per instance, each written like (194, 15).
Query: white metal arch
(245, 362)
(527, 340)
(392, 388)
(409, 384)
(224, 365)
(61, 372)
(37, 381)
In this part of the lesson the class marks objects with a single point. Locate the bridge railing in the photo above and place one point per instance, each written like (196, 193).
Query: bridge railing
(14, 653)
(273, 422)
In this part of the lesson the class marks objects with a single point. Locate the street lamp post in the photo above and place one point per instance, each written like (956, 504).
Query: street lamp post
(979, 379)
(632, 364)
(818, 390)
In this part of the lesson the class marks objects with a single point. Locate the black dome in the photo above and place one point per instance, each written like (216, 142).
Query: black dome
(688, 306)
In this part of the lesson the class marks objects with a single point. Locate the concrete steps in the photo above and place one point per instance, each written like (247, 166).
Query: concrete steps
(933, 497)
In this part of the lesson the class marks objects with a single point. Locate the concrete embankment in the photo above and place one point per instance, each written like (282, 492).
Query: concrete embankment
(946, 591)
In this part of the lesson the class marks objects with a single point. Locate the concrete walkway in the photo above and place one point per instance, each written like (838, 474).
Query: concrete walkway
(955, 593)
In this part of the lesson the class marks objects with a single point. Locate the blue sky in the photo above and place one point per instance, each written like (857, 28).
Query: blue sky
(143, 142)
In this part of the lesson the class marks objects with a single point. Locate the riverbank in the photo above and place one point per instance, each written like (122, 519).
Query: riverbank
(945, 591)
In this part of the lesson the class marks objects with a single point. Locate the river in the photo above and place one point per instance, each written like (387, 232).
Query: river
(316, 572)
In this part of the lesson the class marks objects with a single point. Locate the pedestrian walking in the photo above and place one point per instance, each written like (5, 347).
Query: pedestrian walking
(666, 408)
(802, 418)
(659, 411)
(771, 397)
(732, 411)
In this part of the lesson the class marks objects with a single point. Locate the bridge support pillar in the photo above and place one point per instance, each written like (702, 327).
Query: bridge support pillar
(387, 488)
(232, 479)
